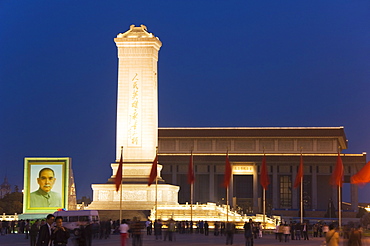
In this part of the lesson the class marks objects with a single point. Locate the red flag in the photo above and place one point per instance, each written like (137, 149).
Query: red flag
(191, 177)
(118, 178)
(298, 178)
(228, 171)
(264, 178)
(153, 171)
(363, 176)
(337, 176)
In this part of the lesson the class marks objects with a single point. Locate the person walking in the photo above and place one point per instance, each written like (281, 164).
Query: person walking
(332, 237)
(123, 228)
(44, 236)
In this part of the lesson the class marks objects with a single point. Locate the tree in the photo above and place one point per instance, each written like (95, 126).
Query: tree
(361, 213)
(365, 220)
(12, 203)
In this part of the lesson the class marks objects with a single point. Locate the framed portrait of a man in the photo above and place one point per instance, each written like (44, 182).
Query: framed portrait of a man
(45, 184)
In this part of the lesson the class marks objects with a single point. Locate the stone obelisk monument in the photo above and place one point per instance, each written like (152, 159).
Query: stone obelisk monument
(137, 100)
(137, 126)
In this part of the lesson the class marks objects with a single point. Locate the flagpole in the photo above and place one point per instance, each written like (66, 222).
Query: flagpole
(340, 195)
(226, 184)
(227, 204)
(264, 199)
(340, 207)
(191, 191)
(156, 186)
(301, 197)
(264, 208)
(227, 192)
(120, 199)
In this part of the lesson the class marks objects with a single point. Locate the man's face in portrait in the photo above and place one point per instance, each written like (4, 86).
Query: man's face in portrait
(46, 180)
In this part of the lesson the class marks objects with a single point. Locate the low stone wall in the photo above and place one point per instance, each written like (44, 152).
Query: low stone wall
(126, 214)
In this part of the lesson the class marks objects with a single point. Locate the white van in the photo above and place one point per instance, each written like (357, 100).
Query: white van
(73, 219)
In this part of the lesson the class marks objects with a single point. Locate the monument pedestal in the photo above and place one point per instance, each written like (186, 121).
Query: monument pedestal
(136, 194)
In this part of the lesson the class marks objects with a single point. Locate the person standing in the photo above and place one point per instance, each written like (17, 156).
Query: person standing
(123, 228)
(305, 231)
(206, 228)
(171, 229)
(325, 229)
(280, 232)
(355, 237)
(298, 232)
(136, 228)
(27, 227)
(33, 232)
(88, 234)
(260, 229)
(217, 228)
(286, 232)
(44, 236)
(332, 237)
(230, 230)
(248, 228)
(148, 225)
(60, 234)
(158, 229)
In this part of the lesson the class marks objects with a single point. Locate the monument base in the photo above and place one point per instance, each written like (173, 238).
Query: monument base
(134, 196)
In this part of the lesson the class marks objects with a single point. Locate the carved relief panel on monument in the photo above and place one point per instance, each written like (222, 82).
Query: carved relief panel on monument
(134, 124)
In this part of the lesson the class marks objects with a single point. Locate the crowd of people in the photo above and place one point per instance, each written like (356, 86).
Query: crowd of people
(297, 231)
(51, 231)
(21, 226)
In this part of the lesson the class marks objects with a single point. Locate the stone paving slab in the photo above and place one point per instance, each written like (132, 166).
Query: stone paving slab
(182, 240)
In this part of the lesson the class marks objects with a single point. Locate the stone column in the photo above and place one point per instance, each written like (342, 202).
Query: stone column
(314, 187)
(275, 188)
(295, 191)
(211, 183)
(255, 189)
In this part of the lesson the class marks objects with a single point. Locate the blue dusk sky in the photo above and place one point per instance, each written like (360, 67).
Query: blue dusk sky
(222, 63)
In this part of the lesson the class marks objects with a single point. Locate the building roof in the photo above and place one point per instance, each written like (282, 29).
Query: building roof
(255, 132)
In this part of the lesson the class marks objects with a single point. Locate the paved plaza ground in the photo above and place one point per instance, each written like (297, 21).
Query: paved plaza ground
(183, 239)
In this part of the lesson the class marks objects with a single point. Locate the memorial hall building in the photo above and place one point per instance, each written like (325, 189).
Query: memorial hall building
(246, 146)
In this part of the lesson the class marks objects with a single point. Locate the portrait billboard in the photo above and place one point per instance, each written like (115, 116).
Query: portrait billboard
(46, 183)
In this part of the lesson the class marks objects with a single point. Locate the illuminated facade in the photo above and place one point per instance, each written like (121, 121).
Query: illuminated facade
(282, 146)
